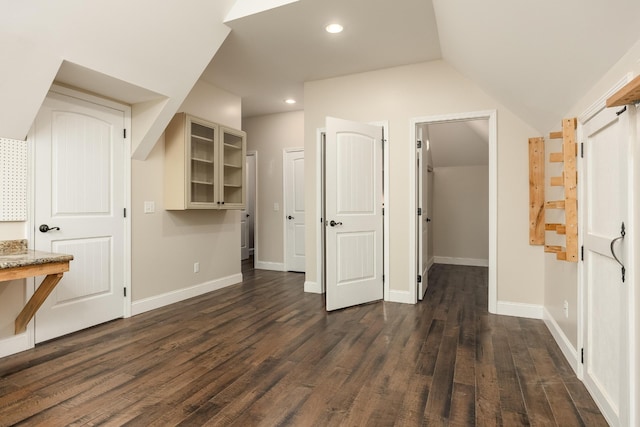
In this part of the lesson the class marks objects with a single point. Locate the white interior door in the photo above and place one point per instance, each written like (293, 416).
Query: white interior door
(80, 193)
(247, 215)
(294, 210)
(354, 218)
(606, 352)
(424, 187)
(251, 201)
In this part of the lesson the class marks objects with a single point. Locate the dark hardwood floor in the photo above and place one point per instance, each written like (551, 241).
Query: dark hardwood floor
(265, 353)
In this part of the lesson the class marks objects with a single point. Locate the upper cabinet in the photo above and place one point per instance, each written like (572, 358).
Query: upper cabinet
(204, 165)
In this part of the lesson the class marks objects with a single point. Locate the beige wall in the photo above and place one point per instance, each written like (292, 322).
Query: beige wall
(461, 212)
(432, 88)
(269, 135)
(166, 244)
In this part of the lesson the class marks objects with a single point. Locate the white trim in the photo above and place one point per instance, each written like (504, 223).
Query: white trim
(318, 220)
(519, 309)
(158, 301)
(285, 151)
(569, 352)
(474, 262)
(273, 266)
(256, 210)
(387, 209)
(405, 297)
(491, 116)
(432, 261)
(16, 343)
(601, 102)
(313, 287)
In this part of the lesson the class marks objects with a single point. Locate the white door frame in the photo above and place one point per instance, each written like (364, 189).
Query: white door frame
(31, 224)
(285, 151)
(319, 286)
(491, 116)
(632, 259)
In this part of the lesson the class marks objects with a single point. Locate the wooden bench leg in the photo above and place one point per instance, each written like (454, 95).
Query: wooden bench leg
(36, 300)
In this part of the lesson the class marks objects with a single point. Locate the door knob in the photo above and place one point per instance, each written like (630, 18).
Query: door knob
(428, 219)
(248, 215)
(333, 223)
(290, 217)
(44, 228)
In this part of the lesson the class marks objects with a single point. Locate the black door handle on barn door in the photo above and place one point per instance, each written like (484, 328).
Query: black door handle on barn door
(44, 228)
(613, 252)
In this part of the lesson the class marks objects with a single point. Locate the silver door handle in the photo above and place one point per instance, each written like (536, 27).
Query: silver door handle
(613, 252)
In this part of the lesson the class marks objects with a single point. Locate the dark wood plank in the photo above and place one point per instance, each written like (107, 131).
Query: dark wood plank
(264, 353)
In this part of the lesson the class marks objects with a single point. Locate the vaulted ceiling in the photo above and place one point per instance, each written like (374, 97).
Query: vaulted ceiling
(535, 57)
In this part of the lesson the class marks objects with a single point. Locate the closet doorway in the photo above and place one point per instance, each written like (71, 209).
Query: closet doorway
(454, 214)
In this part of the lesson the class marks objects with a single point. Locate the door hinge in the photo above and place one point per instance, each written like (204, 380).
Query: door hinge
(582, 150)
(419, 278)
(124, 133)
(382, 211)
(125, 291)
(383, 278)
(125, 212)
(582, 355)
(419, 144)
(581, 253)
(419, 211)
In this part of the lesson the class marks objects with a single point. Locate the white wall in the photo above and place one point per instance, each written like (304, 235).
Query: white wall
(162, 47)
(11, 292)
(269, 135)
(461, 214)
(165, 244)
(433, 88)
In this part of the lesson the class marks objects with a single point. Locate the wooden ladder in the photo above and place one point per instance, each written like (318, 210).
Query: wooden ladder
(568, 180)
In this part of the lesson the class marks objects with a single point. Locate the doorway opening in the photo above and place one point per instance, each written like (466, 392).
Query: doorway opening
(461, 167)
(248, 214)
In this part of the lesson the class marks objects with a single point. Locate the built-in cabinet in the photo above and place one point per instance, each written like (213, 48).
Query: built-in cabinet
(204, 165)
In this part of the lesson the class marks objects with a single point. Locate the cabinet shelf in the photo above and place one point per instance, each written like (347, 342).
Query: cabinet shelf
(201, 182)
(201, 138)
(234, 147)
(195, 159)
(229, 165)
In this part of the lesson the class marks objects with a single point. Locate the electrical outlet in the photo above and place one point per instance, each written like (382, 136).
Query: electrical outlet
(196, 267)
(566, 309)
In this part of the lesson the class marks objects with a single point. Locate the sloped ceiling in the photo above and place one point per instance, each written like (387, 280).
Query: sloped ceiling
(536, 57)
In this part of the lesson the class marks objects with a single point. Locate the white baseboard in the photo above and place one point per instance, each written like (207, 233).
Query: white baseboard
(518, 309)
(313, 287)
(273, 266)
(14, 344)
(461, 261)
(569, 352)
(151, 303)
(404, 297)
(432, 261)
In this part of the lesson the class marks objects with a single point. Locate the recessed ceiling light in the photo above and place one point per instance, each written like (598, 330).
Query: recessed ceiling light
(334, 28)
(290, 101)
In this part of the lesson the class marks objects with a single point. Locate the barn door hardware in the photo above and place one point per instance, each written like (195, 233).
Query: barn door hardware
(613, 252)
